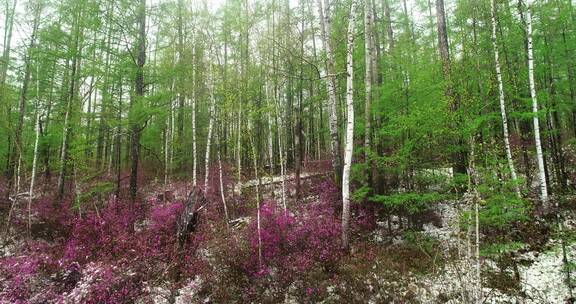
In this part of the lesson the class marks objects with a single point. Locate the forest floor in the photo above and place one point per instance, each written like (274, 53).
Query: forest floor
(107, 251)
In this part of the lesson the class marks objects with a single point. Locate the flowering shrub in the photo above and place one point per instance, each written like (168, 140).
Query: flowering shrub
(104, 256)
(118, 252)
(18, 273)
(294, 242)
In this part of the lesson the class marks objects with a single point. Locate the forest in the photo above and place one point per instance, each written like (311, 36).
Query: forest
(287, 151)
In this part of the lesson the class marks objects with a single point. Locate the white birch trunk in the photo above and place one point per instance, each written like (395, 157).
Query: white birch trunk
(539, 154)
(255, 164)
(270, 133)
(35, 158)
(210, 127)
(349, 128)
(222, 190)
(194, 157)
(238, 147)
(172, 132)
(475, 197)
(166, 154)
(113, 140)
(502, 103)
(477, 251)
(280, 126)
(325, 28)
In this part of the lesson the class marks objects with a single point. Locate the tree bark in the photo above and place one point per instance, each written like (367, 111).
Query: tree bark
(349, 128)
(536, 122)
(222, 190)
(210, 127)
(368, 49)
(139, 90)
(325, 28)
(502, 103)
(16, 151)
(70, 105)
(8, 26)
(458, 157)
(193, 96)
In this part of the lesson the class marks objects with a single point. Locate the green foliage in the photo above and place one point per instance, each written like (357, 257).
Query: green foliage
(499, 249)
(424, 242)
(408, 202)
(502, 210)
(360, 194)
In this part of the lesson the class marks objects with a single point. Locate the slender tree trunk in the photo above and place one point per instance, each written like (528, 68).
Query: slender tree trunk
(389, 29)
(349, 129)
(325, 29)
(102, 128)
(571, 78)
(8, 26)
(16, 152)
(70, 106)
(502, 103)
(193, 96)
(139, 90)
(166, 146)
(180, 82)
(256, 175)
(270, 132)
(474, 180)
(222, 190)
(282, 152)
(119, 139)
(210, 127)
(538, 143)
(36, 144)
(368, 49)
(458, 157)
(298, 132)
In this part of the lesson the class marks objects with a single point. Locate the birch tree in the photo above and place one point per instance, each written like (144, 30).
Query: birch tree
(502, 102)
(349, 144)
(325, 30)
(210, 127)
(77, 32)
(16, 153)
(193, 97)
(535, 119)
(36, 144)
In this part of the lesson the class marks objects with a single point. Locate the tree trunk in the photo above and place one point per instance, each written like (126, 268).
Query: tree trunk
(389, 29)
(538, 143)
(368, 49)
(325, 28)
(222, 190)
(349, 129)
(8, 26)
(194, 154)
(70, 106)
(210, 127)
(458, 157)
(502, 103)
(139, 90)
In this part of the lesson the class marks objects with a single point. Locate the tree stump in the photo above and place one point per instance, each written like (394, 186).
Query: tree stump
(188, 221)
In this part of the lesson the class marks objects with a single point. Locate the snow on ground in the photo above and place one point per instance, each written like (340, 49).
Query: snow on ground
(542, 281)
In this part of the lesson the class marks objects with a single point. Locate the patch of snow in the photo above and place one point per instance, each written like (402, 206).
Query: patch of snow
(189, 293)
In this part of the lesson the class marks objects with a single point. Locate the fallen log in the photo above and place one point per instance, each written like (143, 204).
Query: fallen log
(267, 180)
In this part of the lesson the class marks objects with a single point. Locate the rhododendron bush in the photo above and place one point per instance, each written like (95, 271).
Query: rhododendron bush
(104, 257)
(115, 251)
